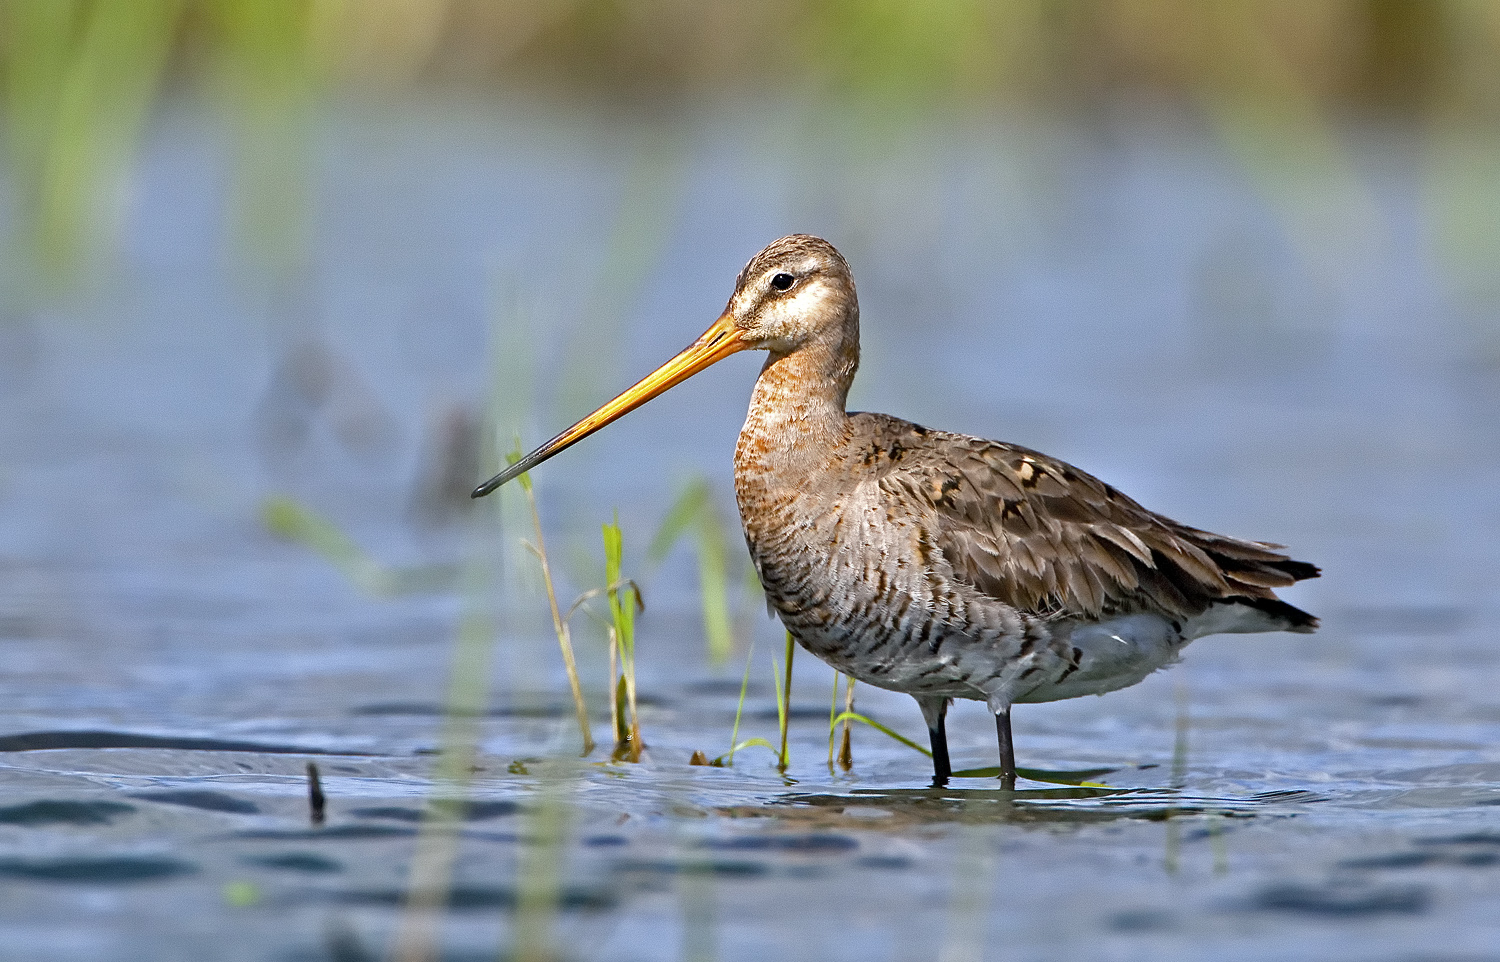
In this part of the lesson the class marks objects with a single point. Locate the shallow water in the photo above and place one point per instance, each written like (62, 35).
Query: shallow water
(1119, 293)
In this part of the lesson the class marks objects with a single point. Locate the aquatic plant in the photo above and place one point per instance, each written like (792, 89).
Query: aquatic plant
(693, 515)
(846, 748)
(559, 624)
(784, 703)
(848, 716)
(82, 78)
(624, 601)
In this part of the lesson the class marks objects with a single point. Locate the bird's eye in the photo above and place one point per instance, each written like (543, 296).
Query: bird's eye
(783, 282)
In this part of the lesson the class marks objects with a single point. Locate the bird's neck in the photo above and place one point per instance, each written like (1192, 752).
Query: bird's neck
(797, 416)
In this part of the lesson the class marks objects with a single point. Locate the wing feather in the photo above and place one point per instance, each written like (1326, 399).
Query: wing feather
(1044, 537)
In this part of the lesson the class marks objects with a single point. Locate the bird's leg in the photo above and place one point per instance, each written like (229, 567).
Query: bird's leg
(941, 770)
(934, 710)
(1007, 748)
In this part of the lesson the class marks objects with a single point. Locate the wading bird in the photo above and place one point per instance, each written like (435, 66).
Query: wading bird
(937, 564)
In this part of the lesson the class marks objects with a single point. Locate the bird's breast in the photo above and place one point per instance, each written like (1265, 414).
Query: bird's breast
(855, 577)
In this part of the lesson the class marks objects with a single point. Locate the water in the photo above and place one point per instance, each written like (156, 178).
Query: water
(1119, 293)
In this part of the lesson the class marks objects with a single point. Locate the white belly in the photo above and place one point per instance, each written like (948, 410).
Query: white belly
(1111, 654)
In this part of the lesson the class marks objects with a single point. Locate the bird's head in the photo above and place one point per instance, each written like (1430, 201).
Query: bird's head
(796, 291)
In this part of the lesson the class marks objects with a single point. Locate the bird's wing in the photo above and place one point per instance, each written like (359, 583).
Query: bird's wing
(1047, 538)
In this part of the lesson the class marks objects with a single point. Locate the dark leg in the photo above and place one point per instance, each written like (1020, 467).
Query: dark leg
(933, 712)
(940, 767)
(1007, 748)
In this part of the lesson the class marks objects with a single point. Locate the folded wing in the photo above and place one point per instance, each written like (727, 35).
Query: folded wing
(1046, 538)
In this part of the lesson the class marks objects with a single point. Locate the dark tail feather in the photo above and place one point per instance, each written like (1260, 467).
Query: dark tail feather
(1295, 618)
(1299, 570)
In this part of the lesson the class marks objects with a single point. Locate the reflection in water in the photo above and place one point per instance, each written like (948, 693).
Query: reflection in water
(316, 396)
(903, 809)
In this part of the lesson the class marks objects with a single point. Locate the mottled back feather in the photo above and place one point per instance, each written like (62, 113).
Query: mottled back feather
(1046, 538)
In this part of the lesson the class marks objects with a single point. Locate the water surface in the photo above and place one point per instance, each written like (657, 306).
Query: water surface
(1120, 293)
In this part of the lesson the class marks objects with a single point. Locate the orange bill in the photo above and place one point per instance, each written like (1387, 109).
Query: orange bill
(717, 343)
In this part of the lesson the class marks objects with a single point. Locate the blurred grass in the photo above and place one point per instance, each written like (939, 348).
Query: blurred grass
(293, 521)
(1273, 78)
(695, 515)
(79, 79)
(437, 849)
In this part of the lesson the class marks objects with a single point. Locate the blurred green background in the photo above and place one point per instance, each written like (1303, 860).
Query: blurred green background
(81, 78)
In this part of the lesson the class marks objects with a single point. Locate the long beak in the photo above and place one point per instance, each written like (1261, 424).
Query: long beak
(717, 343)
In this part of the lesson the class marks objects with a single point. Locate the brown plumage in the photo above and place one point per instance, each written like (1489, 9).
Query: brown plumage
(938, 564)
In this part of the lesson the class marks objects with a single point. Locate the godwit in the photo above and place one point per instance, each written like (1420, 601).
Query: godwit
(937, 564)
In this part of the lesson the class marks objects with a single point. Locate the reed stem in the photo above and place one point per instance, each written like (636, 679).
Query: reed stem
(564, 636)
(786, 702)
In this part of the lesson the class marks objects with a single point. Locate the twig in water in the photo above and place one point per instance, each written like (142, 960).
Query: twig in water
(846, 751)
(316, 802)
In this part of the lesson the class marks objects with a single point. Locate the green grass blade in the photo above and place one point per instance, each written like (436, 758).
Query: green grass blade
(680, 519)
(728, 757)
(784, 702)
(621, 600)
(739, 709)
(622, 712)
(780, 702)
(293, 521)
(713, 586)
(623, 597)
(693, 514)
(289, 519)
(855, 716)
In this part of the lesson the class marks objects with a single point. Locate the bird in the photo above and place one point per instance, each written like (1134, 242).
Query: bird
(938, 564)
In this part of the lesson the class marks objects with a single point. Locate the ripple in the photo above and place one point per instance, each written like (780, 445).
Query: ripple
(201, 799)
(1343, 899)
(92, 738)
(63, 812)
(96, 870)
